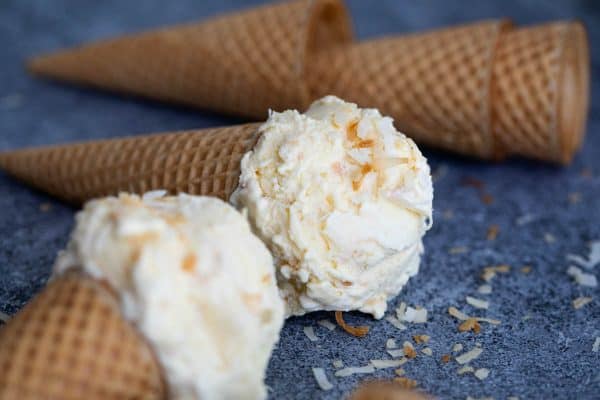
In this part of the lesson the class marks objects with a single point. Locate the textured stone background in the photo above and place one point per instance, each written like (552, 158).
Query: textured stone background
(546, 356)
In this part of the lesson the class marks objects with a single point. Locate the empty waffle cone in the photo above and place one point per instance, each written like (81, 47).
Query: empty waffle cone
(241, 63)
(484, 89)
(70, 342)
(201, 162)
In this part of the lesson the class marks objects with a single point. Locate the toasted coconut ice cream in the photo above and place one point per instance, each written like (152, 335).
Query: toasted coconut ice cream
(195, 281)
(342, 200)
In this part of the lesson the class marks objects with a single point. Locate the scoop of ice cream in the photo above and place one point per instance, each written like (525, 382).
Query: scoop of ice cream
(195, 281)
(342, 199)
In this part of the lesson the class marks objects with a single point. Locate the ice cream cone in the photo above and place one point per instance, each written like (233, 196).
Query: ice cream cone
(242, 63)
(70, 342)
(202, 162)
(484, 90)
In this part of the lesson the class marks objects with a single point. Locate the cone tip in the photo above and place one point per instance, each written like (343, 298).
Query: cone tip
(573, 90)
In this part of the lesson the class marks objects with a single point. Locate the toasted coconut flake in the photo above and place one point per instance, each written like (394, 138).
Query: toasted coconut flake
(457, 347)
(581, 277)
(358, 331)
(490, 272)
(482, 373)
(470, 324)
(596, 345)
(4, 317)
(367, 369)
(492, 232)
(478, 303)
(409, 350)
(400, 371)
(391, 344)
(421, 339)
(465, 370)
(382, 364)
(338, 364)
(469, 355)
(406, 383)
(472, 182)
(415, 315)
(427, 351)
(396, 352)
(526, 269)
(487, 198)
(445, 358)
(310, 333)
(581, 301)
(456, 313)
(321, 378)
(574, 197)
(396, 322)
(485, 289)
(549, 238)
(458, 250)
(325, 323)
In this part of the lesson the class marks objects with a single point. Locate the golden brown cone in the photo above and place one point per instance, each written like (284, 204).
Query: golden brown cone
(385, 390)
(201, 162)
(242, 63)
(540, 87)
(484, 89)
(70, 342)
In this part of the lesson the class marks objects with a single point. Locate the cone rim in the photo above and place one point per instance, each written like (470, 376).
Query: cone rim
(573, 86)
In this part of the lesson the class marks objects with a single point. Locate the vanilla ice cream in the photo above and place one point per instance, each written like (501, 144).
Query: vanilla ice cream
(343, 200)
(195, 281)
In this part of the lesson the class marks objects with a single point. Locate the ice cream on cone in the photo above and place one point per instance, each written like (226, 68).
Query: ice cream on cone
(149, 300)
(340, 197)
(70, 342)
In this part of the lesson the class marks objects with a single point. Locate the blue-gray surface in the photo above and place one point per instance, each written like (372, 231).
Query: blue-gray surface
(543, 347)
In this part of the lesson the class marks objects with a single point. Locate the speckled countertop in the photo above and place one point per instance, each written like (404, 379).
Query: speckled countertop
(543, 347)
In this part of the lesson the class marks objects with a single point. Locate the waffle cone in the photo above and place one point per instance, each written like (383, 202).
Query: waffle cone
(201, 162)
(484, 89)
(241, 63)
(70, 342)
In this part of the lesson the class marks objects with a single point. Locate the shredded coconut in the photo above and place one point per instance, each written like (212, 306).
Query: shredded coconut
(469, 355)
(396, 353)
(581, 301)
(325, 323)
(465, 370)
(463, 317)
(596, 345)
(482, 373)
(400, 310)
(367, 369)
(457, 347)
(581, 277)
(390, 344)
(525, 219)
(427, 351)
(310, 333)
(321, 378)
(485, 289)
(338, 364)
(593, 256)
(549, 238)
(396, 322)
(409, 350)
(478, 303)
(381, 364)
(399, 371)
(415, 315)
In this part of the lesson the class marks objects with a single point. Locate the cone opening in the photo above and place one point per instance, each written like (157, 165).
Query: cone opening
(574, 91)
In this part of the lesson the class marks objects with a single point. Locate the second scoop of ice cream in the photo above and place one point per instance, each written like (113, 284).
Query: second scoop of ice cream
(194, 280)
(342, 199)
